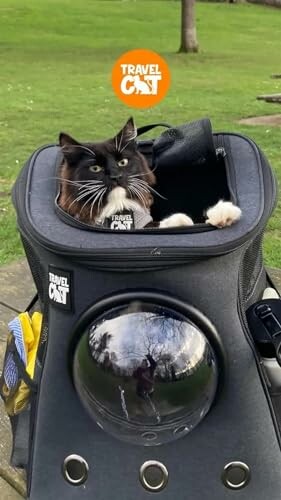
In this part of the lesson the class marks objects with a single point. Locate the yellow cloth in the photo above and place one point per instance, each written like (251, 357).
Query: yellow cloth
(31, 328)
(16, 399)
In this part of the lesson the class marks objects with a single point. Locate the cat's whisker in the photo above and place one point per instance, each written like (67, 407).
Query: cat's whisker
(138, 193)
(142, 175)
(101, 198)
(88, 201)
(144, 189)
(129, 192)
(93, 203)
(82, 147)
(86, 191)
(141, 182)
(78, 183)
(157, 194)
(121, 139)
(83, 195)
(90, 182)
(126, 145)
(68, 181)
(133, 136)
(146, 186)
(90, 186)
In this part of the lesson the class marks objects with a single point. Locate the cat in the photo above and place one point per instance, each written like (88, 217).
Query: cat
(102, 179)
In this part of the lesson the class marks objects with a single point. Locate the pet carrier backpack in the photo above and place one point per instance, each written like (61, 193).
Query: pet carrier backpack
(149, 377)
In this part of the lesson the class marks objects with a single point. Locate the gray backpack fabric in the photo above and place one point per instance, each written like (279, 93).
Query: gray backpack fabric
(218, 272)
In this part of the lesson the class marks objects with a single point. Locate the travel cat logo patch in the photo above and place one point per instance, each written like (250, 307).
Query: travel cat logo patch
(123, 221)
(141, 78)
(60, 288)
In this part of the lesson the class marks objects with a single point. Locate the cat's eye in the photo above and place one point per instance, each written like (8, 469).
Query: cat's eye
(95, 168)
(123, 162)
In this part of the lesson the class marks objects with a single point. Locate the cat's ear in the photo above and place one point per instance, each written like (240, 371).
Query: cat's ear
(70, 148)
(66, 140)
(127, 136)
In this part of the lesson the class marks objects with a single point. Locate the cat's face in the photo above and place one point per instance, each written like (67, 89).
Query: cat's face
(92, 170)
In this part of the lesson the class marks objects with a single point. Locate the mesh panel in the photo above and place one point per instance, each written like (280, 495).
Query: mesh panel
(252, 272)
(39, 277)
(36, 269)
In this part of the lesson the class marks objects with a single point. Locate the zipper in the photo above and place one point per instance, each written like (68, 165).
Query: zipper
(221, 152)
(257, 357)
(229, 169)
(158, 254)
(196, 228)
(131, 254)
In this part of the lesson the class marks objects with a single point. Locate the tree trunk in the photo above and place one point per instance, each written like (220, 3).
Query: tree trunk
(188, 27)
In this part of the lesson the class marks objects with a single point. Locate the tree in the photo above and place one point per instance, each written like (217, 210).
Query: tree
(188, 27)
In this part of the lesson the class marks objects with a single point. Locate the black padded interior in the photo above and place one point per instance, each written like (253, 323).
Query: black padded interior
(191, 190)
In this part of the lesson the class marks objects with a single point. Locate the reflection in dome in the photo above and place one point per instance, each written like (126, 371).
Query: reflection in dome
(146, 366)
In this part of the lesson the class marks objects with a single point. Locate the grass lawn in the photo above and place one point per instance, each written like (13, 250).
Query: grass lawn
(56, 58)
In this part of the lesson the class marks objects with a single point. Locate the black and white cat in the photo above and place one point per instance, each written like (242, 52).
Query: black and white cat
(101, 179)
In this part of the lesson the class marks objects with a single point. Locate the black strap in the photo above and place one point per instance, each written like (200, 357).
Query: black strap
(146, 128)
(21, 430)
(21, 368)
(32, 302)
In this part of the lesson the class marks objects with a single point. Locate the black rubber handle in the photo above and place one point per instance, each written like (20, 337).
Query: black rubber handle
(146, 128)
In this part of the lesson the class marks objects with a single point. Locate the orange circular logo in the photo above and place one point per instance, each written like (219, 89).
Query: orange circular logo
(141, 78)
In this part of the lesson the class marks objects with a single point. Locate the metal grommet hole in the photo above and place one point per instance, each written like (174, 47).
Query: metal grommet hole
(236, 475)
(153, 475)
(181, 429)
(75, 469)
(149, 436)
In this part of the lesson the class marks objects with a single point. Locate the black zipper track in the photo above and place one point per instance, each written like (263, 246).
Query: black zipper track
(168, 253)
(223, 144)
(196, 228)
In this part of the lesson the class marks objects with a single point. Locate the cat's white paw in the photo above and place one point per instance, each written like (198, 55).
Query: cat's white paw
(176, 220)
(223, 214)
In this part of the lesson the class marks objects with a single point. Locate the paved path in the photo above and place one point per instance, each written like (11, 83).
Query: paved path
(16, 290)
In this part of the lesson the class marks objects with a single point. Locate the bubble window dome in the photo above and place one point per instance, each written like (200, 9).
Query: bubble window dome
(146, 372)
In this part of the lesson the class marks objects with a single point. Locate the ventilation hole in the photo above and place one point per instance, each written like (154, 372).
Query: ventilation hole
(153, 476)
(236, 475)
(75, 470)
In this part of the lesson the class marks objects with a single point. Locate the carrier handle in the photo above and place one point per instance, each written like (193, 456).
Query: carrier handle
(146, 128)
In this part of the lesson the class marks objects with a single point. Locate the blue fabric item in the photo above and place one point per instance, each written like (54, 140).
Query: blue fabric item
(10, 370)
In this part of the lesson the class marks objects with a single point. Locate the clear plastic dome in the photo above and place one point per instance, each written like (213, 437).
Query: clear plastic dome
(145, 373)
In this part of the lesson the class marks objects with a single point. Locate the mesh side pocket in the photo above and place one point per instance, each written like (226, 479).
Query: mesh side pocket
(18, 387)
(36, 269)
(252, 272)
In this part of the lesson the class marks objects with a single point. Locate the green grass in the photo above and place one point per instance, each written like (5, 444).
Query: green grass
(56, 58)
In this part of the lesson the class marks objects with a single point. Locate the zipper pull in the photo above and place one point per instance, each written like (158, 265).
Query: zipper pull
(272, 326)
(221, 152)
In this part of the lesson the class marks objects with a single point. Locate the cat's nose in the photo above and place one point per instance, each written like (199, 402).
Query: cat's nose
(115, 177)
